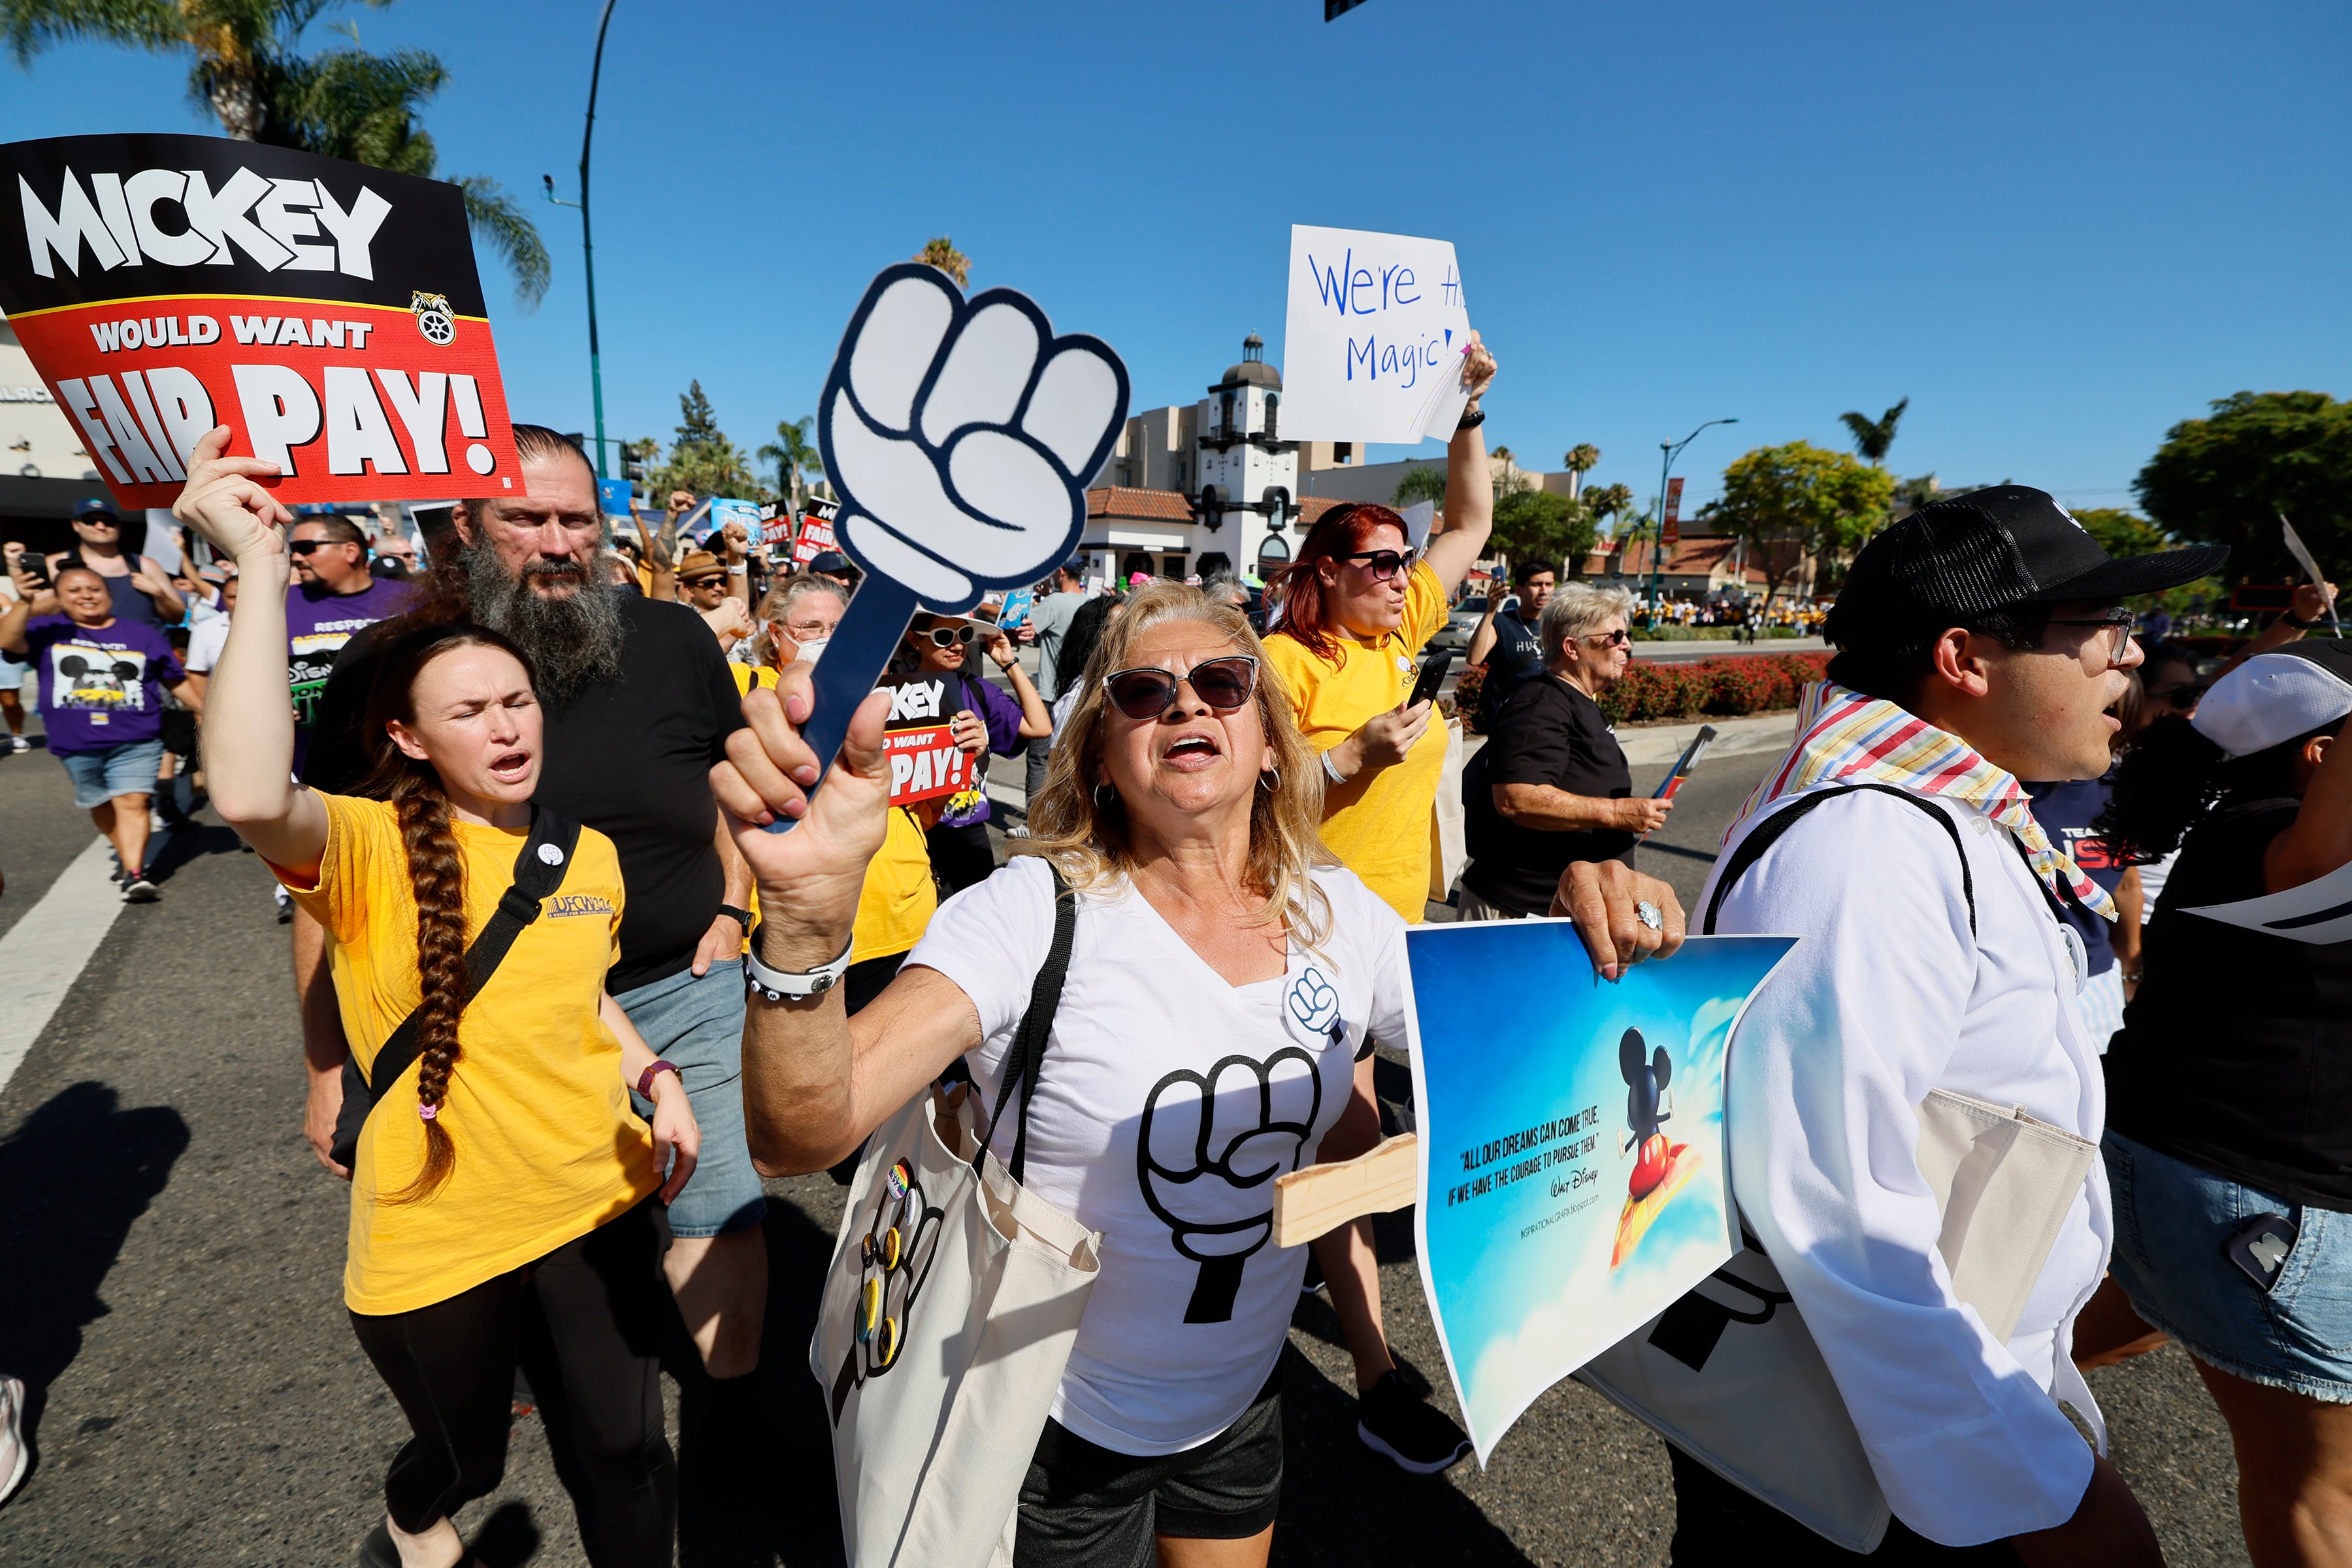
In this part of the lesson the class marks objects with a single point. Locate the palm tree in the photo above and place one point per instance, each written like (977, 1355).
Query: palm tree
(794, 456)
(250, 71)
(1579, 461)
(1872, 437)
(942, 254)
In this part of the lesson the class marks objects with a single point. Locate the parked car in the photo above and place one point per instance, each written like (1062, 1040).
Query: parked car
(1455, 634)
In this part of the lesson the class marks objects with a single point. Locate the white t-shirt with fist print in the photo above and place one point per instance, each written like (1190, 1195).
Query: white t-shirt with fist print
(1168, 1103)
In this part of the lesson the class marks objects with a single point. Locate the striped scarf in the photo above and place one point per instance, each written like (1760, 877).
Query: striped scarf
(1843, 734)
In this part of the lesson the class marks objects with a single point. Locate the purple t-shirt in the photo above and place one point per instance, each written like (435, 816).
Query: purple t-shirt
(318, 625)
(101, 685)
(1001, 714)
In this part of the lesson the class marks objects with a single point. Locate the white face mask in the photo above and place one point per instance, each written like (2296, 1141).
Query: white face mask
(812, 651)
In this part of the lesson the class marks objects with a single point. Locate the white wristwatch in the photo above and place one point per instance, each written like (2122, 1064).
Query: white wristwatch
(778, 986)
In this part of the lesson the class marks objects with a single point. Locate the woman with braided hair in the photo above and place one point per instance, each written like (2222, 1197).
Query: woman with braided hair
(502, 1188)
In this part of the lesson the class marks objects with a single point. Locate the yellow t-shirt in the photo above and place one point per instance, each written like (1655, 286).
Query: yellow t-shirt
(894, 906)
(548, 1148)
(1378, 825)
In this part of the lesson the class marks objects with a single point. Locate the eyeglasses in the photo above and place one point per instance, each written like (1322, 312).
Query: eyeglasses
(2116, 625)
(1224, 684)
(97, 522)
(1620, 638)
(304, 546)
(1384, 565)
(2184, 697)
(701, 583)
(803, 630)
(947, 636)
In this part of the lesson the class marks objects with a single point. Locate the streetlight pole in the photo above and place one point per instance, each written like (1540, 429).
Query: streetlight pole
(1672, 449)
(587, 236)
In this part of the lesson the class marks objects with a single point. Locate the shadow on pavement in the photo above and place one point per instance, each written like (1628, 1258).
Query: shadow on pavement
(187, 841)
(1343, 1504)
(74, 1178)
(508, 1538)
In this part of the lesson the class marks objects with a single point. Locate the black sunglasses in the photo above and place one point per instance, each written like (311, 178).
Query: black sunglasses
(2183, 697)
(1384, 565)
(1224, 684)
(947, 636)
(304, 546)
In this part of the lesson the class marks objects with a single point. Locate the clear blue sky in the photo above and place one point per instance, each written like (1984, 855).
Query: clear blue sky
(2057, 228)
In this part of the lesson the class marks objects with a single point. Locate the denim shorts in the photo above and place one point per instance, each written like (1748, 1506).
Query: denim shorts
(698, 1025)
(2173, 1221)
(99, 776)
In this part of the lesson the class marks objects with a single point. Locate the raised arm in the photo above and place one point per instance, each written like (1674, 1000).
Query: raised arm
(2321, 839)
(816, 1080)
(249, 761)
(1469, 488)
(1035, 719)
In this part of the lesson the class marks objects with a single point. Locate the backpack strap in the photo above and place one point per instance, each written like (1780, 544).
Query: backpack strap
(1767, 833)
(1023, 1062)
(537, 875)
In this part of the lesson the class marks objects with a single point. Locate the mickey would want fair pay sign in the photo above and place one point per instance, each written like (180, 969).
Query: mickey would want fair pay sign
(329, 313)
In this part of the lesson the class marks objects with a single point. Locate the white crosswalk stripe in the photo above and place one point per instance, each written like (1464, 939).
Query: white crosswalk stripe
(44, 952)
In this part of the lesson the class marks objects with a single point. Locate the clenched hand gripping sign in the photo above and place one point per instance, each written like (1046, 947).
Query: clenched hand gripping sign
(329, 313)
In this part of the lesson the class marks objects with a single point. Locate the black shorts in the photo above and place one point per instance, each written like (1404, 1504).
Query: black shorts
(1085, 1505)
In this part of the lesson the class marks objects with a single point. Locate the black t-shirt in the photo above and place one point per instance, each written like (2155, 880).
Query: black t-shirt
(1547, 733)
(630, 757)
(2066, 813)
(2236, 1053)
(1516, 658)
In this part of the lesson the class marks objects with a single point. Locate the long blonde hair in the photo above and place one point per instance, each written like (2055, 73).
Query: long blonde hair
(1089, 842)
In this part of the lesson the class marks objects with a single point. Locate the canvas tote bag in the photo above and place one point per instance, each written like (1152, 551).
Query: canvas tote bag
(949, 1313)
(1732, 1379)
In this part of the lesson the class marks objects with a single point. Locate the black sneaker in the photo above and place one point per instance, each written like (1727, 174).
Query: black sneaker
(138, 889)
(1421, 1438)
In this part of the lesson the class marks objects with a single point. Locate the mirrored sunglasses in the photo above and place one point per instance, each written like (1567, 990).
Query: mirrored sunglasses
(1224, 684)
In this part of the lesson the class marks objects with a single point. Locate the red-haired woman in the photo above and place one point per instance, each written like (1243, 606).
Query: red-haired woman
(1355, 609)
(499, 1194)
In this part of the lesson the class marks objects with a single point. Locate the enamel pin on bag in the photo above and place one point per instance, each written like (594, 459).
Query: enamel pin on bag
(949, 1313)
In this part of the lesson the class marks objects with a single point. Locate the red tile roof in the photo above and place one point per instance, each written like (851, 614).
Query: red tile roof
(1126, 500)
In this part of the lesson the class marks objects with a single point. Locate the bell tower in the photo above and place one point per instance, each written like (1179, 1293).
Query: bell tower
(1248, 474)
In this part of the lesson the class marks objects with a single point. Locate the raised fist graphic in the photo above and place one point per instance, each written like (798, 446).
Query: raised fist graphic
(961, 435)
(1207, 1155)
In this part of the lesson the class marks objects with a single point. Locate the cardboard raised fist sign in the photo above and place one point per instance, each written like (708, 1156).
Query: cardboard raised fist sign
(961, 435)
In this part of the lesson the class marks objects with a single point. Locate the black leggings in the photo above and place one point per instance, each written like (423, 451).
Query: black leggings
(584, 1324)
(961, 856)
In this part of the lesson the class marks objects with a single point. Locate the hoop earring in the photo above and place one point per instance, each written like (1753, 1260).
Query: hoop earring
(1271, 779)
(1102, 807)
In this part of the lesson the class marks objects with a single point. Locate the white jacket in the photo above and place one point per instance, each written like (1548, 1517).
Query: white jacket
(1887, 998)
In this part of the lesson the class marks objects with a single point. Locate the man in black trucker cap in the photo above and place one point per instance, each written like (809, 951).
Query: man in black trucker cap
(1980, 641)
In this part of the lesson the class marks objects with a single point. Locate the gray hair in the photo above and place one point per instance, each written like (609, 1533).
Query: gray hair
(778, 606)
(1579, 609)
(1224, 588)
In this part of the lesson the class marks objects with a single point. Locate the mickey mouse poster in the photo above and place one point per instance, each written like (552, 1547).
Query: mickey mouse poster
(1573, 1176)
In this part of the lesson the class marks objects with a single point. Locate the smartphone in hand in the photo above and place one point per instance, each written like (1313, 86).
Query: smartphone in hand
(1433, 676)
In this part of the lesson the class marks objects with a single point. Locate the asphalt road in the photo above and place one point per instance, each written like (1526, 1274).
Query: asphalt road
(170, 1255)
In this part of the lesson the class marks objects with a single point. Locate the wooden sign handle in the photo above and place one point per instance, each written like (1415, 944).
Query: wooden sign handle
(1320, 1198)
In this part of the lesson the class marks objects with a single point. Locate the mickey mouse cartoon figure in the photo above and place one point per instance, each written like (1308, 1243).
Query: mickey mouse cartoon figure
(1649, 1104)
(96, 685)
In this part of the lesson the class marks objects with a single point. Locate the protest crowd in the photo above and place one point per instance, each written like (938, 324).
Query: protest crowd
(583, 952)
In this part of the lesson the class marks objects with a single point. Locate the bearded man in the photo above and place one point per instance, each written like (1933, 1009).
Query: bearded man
(639, 705)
